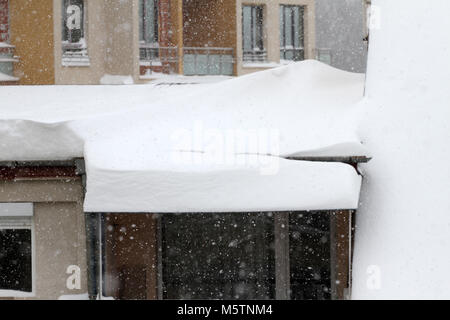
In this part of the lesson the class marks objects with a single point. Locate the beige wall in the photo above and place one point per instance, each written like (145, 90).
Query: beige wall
(59, 231)
(32, 33)
(122, 37)
(272, 30)
(112, 39)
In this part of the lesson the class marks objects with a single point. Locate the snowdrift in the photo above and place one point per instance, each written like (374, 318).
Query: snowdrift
(403, 224)
(210, 147)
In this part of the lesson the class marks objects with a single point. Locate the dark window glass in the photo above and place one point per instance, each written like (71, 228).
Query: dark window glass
(15, 259)
(296, 255)
(218, 256)
(309, 250)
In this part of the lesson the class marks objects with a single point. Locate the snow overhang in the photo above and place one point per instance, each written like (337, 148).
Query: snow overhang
(279, 185)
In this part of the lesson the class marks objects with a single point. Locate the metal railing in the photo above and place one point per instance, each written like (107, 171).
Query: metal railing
(208, 61)
(164, 57)
(255, 55)
(324, 55)
(293, 54)
(74, 54)
(196, 60)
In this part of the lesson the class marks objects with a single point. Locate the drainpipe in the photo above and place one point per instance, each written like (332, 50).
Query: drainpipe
(92, 239)
(92, 245)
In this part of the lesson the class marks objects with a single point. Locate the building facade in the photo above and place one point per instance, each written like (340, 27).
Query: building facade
(42, 231)
(81, 41)
(51, 249)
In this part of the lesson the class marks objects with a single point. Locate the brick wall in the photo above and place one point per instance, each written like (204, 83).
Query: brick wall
(4, 27)
(164, 23)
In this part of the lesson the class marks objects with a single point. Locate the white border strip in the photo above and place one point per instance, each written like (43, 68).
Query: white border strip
(16, 209)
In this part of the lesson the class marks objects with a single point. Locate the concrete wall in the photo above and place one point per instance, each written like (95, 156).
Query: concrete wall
(122, 37)
(340, 26)
(31, 27)
(59, 232)
(272, 30)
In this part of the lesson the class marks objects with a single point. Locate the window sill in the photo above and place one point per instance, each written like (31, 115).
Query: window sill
(260, 64)
(154, 63)
(71, 61)
(13, 294)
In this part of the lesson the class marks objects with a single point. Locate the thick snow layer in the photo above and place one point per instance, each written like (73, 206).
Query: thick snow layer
(170, 148)
(402, 234)
(292, 185)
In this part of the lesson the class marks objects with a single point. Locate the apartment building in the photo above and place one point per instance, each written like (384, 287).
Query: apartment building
(81, 41)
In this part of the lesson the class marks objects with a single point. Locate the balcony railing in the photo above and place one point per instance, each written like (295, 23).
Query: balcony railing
(293, 54)
(159, 59)
(208, 61)
(196, 60)
(75, 54)
(256, 55)
(324, 55)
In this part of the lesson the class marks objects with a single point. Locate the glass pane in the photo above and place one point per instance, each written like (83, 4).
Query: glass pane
(288, 28)
(218, 256)
(151, 21)
(310, 255)
(15, 259)
(296, 26)
(247, 28)
(281, 26)
(259, 28)
(141, 21)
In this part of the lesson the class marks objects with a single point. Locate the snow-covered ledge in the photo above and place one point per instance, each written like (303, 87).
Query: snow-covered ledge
(16, 294)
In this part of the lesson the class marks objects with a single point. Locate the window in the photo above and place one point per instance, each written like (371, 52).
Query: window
(292, 33)
(15, 248)
(4, 21)
(283, 255)
(74, 43)
(149, 29)
(148, 22)
(232, 258)
(253, 33)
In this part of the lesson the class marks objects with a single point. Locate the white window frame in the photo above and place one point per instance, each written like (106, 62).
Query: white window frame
(19, 216)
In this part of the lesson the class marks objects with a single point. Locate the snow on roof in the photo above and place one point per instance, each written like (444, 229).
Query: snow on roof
(197, 147)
